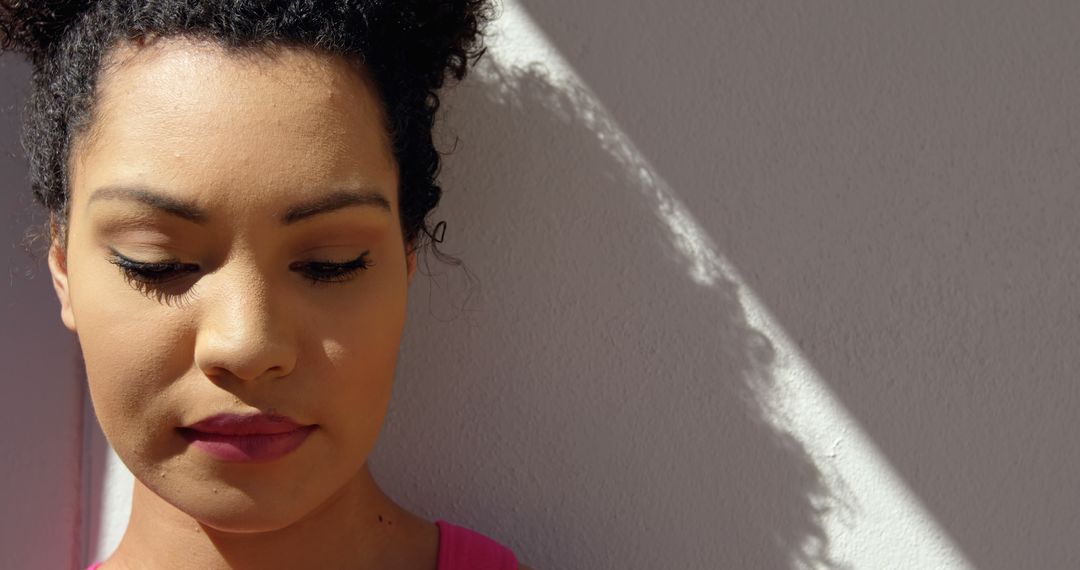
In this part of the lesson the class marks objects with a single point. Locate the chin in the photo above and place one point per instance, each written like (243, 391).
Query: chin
(234, 512)
(239, 504)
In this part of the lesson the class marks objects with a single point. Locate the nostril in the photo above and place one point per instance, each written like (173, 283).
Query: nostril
(245, 337)
(247, 367)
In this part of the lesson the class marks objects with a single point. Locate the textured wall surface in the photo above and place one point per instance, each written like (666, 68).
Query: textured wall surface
(41, 407)
(747, 285)
(896, 183)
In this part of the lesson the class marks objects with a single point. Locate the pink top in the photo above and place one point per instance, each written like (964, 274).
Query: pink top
(462, 549)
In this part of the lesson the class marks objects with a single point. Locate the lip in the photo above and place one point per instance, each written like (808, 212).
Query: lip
(248, 424)
(247, 438)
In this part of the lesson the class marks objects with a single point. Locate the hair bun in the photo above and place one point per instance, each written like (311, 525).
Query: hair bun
(32, 27)
(432, 39)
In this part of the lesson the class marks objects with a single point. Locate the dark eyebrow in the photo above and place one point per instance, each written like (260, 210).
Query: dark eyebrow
(168, 204)
(335, 201)
(189, 211)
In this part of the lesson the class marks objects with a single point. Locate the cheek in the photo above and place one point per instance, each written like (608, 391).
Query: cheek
(132, 349)
(128, 367)
(362, 348)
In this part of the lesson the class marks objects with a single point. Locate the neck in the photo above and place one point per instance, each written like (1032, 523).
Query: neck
(359, 527)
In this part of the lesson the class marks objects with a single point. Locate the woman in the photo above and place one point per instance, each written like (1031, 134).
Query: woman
(237, 193)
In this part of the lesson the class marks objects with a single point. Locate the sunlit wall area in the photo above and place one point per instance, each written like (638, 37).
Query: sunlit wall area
(758, 285)
(745, 285)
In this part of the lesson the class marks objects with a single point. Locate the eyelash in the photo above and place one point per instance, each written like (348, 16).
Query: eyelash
(149, 277)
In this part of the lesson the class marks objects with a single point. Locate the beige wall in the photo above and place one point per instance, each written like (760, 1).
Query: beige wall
(41, 409)
(759, 285)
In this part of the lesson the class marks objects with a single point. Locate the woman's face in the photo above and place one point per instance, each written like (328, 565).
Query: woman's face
(244, 178)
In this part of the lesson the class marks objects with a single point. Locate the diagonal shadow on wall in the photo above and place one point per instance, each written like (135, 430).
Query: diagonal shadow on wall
(898, 182)
(582, 399)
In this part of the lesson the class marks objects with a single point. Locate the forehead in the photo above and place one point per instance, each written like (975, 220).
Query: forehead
(196, 117)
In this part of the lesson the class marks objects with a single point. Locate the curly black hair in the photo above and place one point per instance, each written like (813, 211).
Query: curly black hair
(410, 48)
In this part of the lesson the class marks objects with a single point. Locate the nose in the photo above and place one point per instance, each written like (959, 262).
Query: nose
(244, 331)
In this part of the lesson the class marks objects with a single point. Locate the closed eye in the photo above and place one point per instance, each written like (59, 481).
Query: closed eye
(151, 272)
(151, 278)
(331, 272)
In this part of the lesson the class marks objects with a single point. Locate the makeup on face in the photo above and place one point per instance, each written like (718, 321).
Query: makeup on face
(250, 438)
(238, 280)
